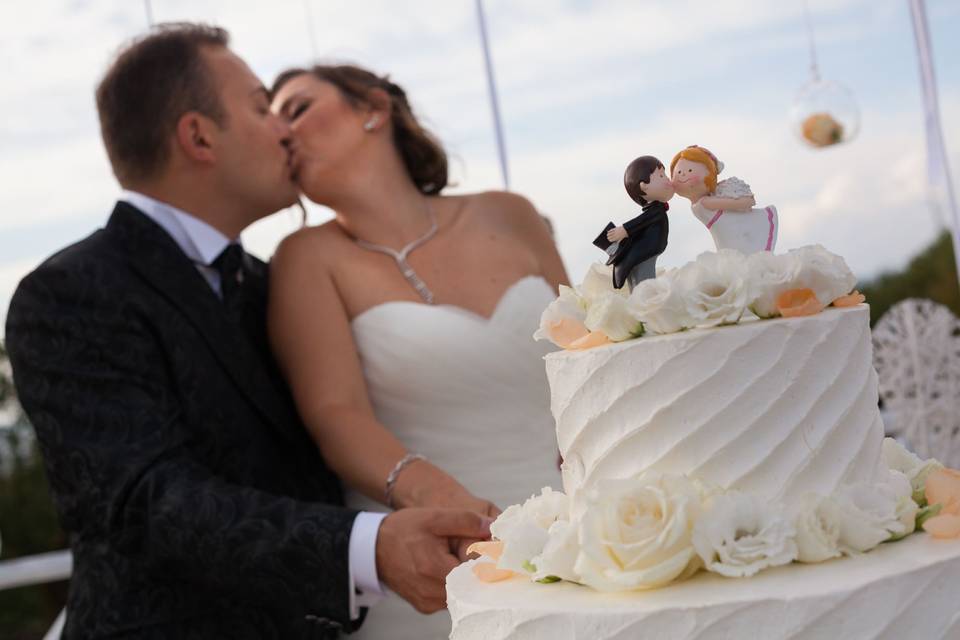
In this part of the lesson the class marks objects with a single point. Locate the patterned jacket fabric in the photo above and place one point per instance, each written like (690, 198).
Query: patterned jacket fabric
(196, 504)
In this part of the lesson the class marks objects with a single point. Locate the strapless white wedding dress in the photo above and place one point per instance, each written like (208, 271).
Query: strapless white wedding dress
(469, 393)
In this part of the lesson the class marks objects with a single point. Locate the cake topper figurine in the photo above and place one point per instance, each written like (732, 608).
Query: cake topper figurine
(633, 247)
(727, 208)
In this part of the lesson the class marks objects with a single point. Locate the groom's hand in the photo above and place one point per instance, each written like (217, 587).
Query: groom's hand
(414, 552)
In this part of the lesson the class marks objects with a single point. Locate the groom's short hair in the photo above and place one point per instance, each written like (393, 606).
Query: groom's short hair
(154, 80)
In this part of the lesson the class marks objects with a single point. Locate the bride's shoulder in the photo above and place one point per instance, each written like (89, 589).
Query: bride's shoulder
(503, 209)
(316, 246)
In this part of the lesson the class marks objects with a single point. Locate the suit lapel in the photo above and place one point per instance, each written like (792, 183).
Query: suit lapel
(159, 261)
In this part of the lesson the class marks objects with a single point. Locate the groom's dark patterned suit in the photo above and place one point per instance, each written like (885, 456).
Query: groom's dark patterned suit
(196, 504)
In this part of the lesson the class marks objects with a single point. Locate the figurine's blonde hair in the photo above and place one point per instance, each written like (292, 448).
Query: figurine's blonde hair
(693, 153)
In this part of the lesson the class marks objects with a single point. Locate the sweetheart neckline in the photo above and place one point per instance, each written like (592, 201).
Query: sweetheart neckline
(456, 308)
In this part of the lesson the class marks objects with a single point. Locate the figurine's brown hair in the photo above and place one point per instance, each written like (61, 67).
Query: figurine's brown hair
(422, 154)
(701, 155)
(154, 80)
(637, 172)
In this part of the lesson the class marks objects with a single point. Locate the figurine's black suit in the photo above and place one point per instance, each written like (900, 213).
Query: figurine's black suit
(646, 239)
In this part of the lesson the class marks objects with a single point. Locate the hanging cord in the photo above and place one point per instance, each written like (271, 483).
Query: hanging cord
(814, 67)
(492, 89)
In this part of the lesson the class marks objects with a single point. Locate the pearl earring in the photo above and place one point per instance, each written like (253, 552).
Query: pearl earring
(371, 123)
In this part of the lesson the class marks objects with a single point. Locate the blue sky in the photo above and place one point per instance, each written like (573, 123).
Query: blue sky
(585, 87)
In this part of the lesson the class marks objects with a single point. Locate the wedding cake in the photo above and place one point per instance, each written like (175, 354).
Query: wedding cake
(725, 472)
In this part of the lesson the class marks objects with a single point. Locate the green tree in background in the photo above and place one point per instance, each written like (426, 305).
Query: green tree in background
(930, 274)
(28, 522)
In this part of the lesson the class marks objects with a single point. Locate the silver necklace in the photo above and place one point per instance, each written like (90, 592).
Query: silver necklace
(401, 256)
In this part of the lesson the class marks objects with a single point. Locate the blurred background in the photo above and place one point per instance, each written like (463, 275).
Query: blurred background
(584, 87)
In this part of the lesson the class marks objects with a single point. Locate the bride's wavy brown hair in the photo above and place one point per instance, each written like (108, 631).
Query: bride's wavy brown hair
(422, 154)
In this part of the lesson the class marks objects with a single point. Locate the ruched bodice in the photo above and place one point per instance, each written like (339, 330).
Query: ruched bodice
(469, 393)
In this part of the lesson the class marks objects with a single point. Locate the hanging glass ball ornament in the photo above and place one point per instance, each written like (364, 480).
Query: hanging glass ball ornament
(825, 113)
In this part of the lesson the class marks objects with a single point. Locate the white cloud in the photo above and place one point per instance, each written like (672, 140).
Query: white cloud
(585, 87)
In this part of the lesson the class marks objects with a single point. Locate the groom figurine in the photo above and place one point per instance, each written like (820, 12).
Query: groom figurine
(196, 504)
(634, 246)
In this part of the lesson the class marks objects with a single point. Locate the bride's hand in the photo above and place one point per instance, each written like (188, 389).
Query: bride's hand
(422, 484)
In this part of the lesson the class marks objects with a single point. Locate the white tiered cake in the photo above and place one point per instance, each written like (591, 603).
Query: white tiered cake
(772, 415)
(776, 408)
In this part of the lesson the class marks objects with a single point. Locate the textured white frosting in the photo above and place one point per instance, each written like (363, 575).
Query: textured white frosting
(774, 407)
(906, 589)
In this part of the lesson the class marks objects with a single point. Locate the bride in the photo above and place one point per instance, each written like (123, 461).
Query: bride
(404, 325)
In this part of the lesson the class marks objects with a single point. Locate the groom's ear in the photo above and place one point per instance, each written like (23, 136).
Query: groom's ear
(196, 136)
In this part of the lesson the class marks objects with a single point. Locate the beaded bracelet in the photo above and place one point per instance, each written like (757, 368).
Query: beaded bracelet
(395, 473)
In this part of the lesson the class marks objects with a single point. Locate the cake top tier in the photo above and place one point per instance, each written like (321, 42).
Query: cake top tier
(716, 289)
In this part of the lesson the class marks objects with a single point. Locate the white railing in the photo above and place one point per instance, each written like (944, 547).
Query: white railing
(39, 569)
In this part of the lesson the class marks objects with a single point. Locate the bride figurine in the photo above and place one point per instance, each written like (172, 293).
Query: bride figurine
(727, 208)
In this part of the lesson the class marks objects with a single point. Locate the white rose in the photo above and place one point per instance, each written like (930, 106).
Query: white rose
(523, 528)
(636, 533)
(769, 275)
(906, 462)
(870, 513)
(827, 274)
(568, 307)
(597, 283)
(739, 535)
(714, 288)
(818, 536)
(611, 315)
(658, 303)
(559, 554)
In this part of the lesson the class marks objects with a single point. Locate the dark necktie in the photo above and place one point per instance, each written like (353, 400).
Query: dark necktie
(230, 265)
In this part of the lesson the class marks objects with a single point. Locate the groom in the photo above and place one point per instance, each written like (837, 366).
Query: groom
(196, 504)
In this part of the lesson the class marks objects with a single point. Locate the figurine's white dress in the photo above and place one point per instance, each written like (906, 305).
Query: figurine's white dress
(746, 231)
(471, 394)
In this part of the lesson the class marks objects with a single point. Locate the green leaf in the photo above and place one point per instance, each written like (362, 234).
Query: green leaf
(529, 566)
(549, 580)
(926, 513)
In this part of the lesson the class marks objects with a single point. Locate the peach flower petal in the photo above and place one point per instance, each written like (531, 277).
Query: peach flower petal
(943, 487)
(795, 303)
(567, 331)
(850, 300)
(488, 572)
(943, 526)
(592, 339)
(493, 549)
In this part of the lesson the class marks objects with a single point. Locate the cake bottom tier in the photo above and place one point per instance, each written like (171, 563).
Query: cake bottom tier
(905, 589)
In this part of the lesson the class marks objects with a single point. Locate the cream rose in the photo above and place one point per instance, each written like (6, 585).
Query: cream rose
(611, 315)
(562, 321)
(597, 283)
(739, 535)
(818, 536)
(559, 554)
(714, 288)
(867, 514)
(897, 458)
(636, 533)
(827, 274)
(769, 275)
(523, 529)
(659, 305)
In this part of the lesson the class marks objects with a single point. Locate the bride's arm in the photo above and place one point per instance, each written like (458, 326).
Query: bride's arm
(715, 203)
(313, 344)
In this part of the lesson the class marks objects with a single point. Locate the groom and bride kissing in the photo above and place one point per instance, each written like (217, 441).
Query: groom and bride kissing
(290, 450)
